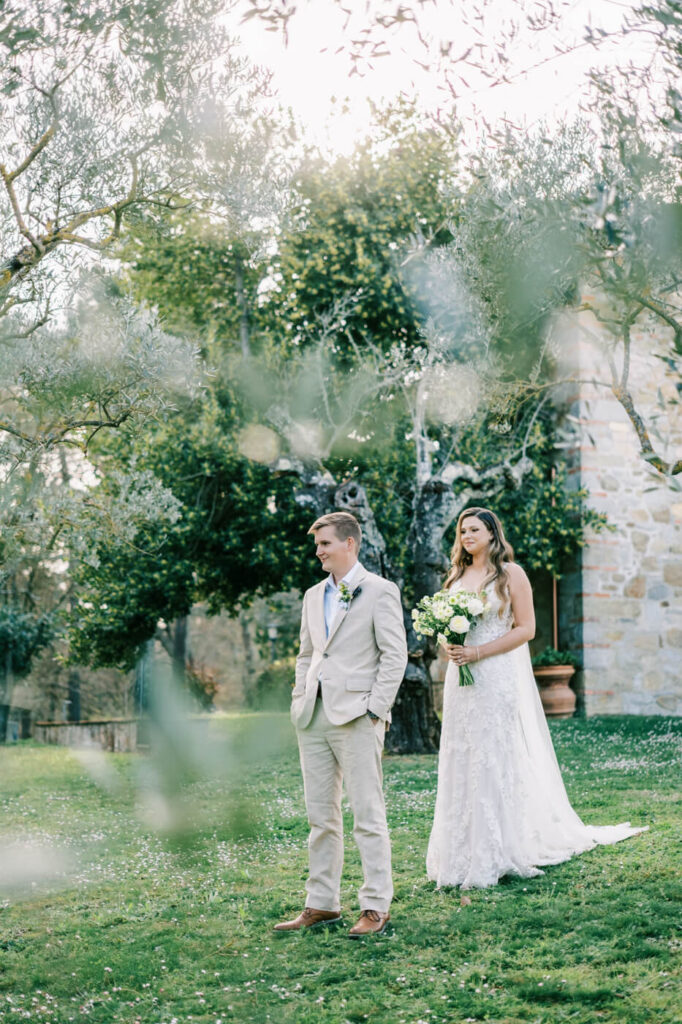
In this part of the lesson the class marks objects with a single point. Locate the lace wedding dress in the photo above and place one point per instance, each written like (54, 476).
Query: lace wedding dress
(501, 805)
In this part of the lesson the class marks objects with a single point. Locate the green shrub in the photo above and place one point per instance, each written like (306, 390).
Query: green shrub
(550, 656)
(272, 690)
(202, 685)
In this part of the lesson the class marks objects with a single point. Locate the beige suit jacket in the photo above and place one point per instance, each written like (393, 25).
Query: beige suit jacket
(360, 665)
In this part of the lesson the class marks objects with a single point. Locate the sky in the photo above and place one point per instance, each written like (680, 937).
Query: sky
(312, 71)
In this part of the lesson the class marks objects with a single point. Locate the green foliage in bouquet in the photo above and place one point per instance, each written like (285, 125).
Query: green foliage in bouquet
(448, 616)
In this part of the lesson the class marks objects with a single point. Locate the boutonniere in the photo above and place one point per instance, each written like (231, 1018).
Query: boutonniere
(346, 595)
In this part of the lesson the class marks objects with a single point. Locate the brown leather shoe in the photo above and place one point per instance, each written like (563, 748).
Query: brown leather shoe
(370, 922)
(308, 919)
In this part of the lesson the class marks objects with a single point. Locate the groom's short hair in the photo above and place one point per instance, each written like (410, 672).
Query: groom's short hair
(345, 525)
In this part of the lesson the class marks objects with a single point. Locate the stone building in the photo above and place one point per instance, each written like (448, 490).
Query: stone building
(621, 611)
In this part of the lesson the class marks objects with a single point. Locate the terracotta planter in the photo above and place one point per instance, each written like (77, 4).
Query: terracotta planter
(558, 699)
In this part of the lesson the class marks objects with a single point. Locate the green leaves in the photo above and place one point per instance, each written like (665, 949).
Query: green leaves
(239, 532)
(22, 636)
(353, 224)
(550, 656)
(545, 520)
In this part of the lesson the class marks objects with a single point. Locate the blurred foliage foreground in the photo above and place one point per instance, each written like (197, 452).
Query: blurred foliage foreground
(156, 918)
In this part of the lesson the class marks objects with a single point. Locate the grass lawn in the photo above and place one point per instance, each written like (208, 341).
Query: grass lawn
(144, 927)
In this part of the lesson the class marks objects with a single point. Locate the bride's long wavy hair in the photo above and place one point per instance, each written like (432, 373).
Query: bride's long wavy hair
(500, 552)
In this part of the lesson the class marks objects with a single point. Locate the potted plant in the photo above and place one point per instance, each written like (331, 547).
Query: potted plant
(553, 670)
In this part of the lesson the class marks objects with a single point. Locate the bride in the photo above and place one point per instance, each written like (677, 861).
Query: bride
(501, 805)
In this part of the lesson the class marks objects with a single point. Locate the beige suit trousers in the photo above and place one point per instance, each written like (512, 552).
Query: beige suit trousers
(348, 754)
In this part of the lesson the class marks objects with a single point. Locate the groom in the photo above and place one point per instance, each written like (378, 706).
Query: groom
(351, 662)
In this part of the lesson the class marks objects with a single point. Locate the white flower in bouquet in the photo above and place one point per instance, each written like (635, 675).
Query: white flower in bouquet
(442, 611)
(449, 616)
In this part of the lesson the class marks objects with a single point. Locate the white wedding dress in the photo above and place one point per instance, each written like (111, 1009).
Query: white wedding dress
(501, 805)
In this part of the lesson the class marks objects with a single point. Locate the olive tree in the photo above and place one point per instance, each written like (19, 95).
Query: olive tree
(109, 109)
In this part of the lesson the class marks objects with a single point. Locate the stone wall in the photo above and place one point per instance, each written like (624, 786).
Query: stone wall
(624, 606)
(119, 737)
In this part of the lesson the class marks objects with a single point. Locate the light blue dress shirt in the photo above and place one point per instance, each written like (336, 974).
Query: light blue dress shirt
(332, 603)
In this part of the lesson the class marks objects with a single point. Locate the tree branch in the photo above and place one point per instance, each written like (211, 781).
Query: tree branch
(18, 216)
(647, 449)
(619, 388)
(659, 311)
(57, 435)
(40, 145)
(7, 429)
(22, 335)
(626, 357)
(18, 266)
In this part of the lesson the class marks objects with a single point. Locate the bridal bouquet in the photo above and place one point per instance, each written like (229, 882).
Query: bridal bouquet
(449, 616)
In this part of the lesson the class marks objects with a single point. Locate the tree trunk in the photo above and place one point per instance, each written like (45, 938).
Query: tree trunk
(179, 649)
(52, 702)
(5, 696)
(73, 681)
(142, 683)
(249, 675)
(415, 728)
(351, 497)
(6, 688)
(7, 679)
(242, 306)
(435, 508)
(74, 696)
